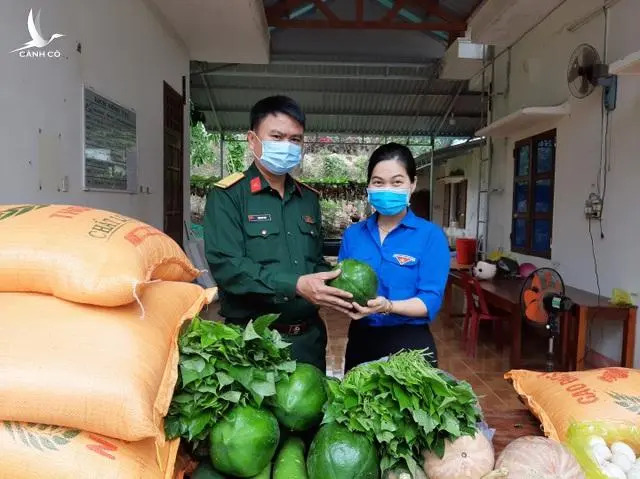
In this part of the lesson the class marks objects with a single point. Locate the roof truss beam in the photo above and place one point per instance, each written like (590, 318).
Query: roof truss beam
(284, 8)
(278, 16)
(326, 11)
(394, 11)
(433, 7)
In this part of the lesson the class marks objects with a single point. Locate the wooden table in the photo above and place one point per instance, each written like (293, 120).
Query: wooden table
(455, 266)
(504, 294)
(589, 307)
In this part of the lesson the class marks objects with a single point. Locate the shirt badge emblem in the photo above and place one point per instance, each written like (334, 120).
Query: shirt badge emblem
(261, 218)
(404, 259)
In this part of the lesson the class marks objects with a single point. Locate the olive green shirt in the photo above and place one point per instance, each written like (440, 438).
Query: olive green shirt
(258, 244)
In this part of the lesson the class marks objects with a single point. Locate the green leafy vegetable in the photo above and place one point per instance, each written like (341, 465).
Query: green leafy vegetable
(221, 366)
(405, 406)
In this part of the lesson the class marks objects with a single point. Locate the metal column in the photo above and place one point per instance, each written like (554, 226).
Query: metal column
(221, 142)
(431, 178)
(484, 182)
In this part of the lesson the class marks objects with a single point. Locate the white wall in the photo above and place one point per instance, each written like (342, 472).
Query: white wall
(126, 55)
(538, 78)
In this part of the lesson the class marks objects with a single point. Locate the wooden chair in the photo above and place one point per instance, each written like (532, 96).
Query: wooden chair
(477, 311)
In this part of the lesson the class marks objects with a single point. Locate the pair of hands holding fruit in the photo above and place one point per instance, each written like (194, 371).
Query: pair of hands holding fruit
(314, 289)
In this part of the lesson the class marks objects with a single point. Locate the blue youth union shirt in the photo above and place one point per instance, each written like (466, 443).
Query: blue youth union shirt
(413, 262)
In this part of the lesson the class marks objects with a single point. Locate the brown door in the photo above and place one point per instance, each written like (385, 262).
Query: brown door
(173, 163)
(420, 203)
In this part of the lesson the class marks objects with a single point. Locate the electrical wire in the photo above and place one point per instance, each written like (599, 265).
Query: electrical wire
(595, 262)
(606, 168)
(605, 137)
(595, 267)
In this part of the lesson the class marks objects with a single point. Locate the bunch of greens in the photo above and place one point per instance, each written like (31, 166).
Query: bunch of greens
(221, 366)
(405, 406)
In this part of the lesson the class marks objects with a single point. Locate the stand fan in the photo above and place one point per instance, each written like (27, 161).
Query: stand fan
(542, 301)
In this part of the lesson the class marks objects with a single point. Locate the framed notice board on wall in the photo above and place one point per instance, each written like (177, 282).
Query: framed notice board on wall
(110, 145)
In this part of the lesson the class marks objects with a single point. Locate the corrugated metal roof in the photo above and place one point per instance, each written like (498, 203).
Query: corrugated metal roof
(338, 99)
(361, 97)
(327, 102)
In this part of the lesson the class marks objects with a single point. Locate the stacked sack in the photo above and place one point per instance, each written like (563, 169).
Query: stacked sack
(91, 305)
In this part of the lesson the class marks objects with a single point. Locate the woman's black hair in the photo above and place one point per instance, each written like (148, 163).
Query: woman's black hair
(393, 151)
(272, 105)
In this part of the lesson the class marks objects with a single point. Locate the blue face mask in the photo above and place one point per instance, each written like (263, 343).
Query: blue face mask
(280, 157)
(388, 201)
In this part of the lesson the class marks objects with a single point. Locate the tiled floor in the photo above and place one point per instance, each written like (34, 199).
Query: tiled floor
(484, 373)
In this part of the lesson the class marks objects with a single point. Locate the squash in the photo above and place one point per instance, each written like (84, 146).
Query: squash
(538, 457)
(497, 474)
(467, 457)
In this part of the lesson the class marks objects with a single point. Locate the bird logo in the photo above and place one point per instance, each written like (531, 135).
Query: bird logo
(37, 41)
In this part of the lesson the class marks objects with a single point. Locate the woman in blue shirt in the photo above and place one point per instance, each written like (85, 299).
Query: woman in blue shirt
(409, 254)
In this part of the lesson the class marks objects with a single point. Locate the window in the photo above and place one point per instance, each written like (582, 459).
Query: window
(534, 167)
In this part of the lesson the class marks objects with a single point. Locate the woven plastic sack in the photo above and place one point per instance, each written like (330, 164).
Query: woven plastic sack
(29, 451)
(559, 399)
(579, 434)
(102, 370)
(85, 255)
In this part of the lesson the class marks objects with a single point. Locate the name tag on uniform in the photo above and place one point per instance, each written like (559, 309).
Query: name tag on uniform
(259, 218)
(309, 220)
(404, 259)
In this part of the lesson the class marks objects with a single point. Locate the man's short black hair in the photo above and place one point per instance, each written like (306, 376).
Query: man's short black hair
(275, 104)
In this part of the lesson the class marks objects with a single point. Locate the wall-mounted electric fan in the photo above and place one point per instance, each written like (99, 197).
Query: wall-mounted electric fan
(586, 71)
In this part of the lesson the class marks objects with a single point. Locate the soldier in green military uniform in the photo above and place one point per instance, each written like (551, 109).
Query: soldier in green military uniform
(263, 237)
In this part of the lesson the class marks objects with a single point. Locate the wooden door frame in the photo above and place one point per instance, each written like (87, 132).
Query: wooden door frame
(168, 89)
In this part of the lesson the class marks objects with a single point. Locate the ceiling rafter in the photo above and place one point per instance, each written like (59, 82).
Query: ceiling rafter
(284, 8)
(433, 7)
(359, 11)
(326, 11)
(393, 13)
(278, 16)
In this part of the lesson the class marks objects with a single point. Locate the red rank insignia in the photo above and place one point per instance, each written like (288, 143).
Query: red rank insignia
(256, 184)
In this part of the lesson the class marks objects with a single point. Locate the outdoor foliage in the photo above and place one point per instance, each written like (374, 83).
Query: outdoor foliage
(335, 165)
(337, 215)
(236, 152)
(205, 151)
(202, 141)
